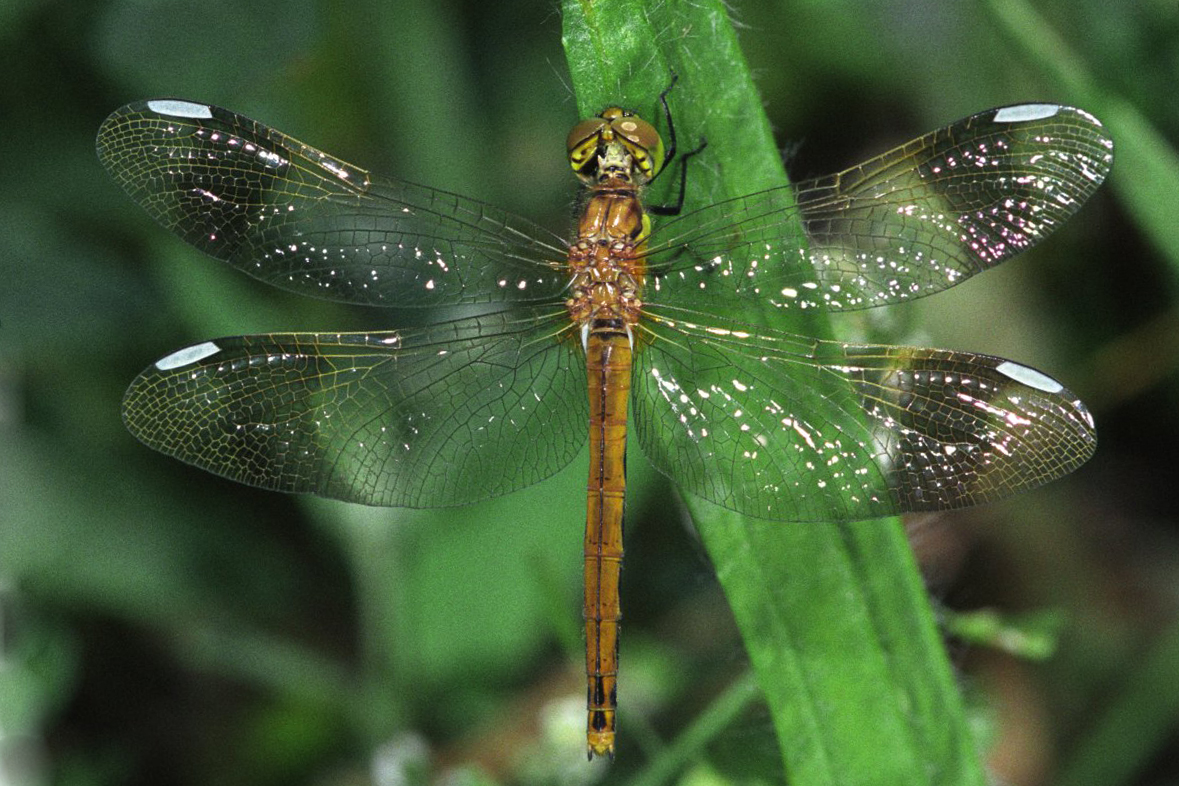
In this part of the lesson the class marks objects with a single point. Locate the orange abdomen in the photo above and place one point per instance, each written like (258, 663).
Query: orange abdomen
(608, 360)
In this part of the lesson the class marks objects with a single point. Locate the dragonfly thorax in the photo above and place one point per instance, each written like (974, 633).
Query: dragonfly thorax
(606, 260)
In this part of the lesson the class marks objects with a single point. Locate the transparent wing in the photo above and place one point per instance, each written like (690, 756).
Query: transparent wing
(433, 417)
(914, 221)
(302, 220)
(789, 428)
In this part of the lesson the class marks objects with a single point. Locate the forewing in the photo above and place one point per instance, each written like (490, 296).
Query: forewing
(302, 220)
(783, 427)
(914, 221)
(445, 415)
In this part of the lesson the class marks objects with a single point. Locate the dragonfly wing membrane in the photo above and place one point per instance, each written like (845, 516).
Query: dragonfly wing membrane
(752, 423)
(954, 429)
(433, 417)
(914, 221)
(302, 220)
(783, 427)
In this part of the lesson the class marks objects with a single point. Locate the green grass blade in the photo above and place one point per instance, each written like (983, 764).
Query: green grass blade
(703, 728)
(834, 617)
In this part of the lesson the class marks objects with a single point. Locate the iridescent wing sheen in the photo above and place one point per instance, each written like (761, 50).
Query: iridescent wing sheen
(302, 220)
(783, 427)
(438, 416)
(911, 222)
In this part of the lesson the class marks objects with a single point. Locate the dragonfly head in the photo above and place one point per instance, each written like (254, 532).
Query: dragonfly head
(616, 142)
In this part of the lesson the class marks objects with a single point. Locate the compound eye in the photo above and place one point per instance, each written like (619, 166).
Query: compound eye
(585, 132)
(638, 132)
(582, 143)
(642, 140)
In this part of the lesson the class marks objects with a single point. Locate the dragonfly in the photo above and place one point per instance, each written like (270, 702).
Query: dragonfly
(644, 316)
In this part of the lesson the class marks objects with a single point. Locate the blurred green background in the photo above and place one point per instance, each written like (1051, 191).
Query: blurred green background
(160, 625)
